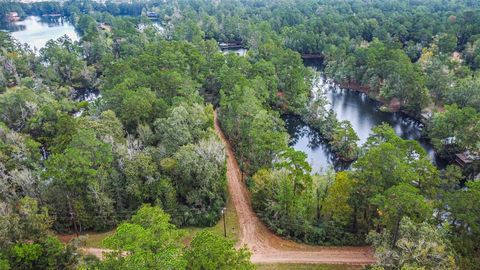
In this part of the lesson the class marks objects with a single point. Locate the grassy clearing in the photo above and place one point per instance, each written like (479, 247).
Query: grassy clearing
(94, 240)
(306, 267)
(233, 229)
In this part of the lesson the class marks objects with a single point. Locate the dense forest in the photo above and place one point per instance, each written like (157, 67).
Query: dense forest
(143, 157)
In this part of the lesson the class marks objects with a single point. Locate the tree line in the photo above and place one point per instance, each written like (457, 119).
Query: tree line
(70, 165)
(148, 138)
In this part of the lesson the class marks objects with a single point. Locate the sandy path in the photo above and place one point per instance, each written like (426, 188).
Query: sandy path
(97, 252)
(265, 245)
(270, 248)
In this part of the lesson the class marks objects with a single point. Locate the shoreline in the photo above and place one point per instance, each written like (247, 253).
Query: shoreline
(353, 86)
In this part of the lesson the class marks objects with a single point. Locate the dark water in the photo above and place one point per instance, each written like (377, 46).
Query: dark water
(363, 113)
(307, 140)
(36, 31)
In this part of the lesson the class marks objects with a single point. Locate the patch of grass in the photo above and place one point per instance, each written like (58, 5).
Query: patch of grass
(232, 225)
(233, 228)
(282, 266)
(94, 240)
(189, 233)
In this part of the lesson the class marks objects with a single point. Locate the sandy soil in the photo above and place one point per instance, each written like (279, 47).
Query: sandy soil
(270, 248)
(97, 252)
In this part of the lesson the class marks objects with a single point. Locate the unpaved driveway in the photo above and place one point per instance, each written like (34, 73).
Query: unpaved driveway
(270, 248)
(265, 245)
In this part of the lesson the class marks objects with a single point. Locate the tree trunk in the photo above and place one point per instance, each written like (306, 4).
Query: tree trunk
(318, 207)
(73, 216)
(395, 233)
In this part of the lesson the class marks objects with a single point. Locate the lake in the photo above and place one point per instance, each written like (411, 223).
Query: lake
(363, 113)
(36, 31)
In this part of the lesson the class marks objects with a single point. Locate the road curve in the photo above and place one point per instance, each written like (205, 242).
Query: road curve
(267, 247)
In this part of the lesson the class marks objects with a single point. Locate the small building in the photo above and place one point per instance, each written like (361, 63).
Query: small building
(465, 158)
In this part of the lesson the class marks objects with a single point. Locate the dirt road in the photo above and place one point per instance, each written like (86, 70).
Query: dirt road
(265, 245)
(270, 248)
(97, 252)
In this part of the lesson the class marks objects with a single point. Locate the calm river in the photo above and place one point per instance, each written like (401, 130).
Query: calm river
(364, 114)
(36, 31)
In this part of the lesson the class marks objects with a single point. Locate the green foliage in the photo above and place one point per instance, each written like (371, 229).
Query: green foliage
(78, 173)
(438, 77)
(64, 65)
(390, 160)
(388, 73)
(400, 201)
(26, 242)
(455, 130)
(344, 141)
(4, 265)
(188, 30)
(17, 106)
(284, 196)
(209, 251)
(293, 79)
(106, 125)
(27, 221)
(265, 138)
(419, 246)
(184, 124)
(465, 93)
(336, 204)
(339, 135)
(200, 181)
(245, 123)
(137, 107)
(150, 241)
(18, 153)
(148, 138)
(49, 253)
(463, 207)
(391, 173)
(472, 49)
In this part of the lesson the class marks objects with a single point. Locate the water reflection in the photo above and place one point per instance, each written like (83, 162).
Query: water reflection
(364, 114)
(37, 31)
(309, 141)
